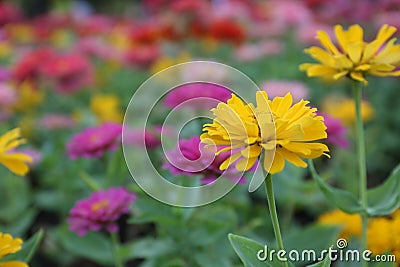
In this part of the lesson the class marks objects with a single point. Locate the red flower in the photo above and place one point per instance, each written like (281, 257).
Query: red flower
(227, 30)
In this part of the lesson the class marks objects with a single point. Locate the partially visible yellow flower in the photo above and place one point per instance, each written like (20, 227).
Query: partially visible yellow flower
(351, 223)
(5, 49)
(14, 161)
(273, 126)
(166, 62)
(21, 32)
(354, 57)
(28, 96)
(344, 109)
(106, 108)
(10, 245)
(61, 38)
(384, 235)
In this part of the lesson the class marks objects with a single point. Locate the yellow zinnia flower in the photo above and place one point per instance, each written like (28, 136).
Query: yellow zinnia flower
(351, 223)
(247, 130)
(344, 109)
(9, 245)
(14, 161)
(106, 108)
(354, 58)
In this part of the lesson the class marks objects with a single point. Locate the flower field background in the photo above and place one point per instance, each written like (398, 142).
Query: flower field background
(69, 69)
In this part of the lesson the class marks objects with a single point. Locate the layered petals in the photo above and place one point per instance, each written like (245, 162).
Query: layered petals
(283, 131)
(353, 57)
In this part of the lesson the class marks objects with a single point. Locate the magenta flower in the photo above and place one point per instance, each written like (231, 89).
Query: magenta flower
(100, 210)
(336, 131)
(198, 91)
(93, 142)
(192, 158)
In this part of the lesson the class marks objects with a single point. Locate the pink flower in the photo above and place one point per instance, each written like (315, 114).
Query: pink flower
(192, 158)
(142, 55)
(27, 68)
(276, 88)
(290, 12)
(150, 137)
(8, 97)
(101, 210)
(93, 142)
(57, 122)
(249, 52)
(68, 72)
(197, 92)
(306, 32)
(336, 131)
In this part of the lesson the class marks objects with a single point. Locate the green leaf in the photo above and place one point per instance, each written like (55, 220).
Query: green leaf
(21, 224)
(248, 249)
(146, 248)
(28, 249)
(342, 199)
(385, 198)
(322, 236)
(325, 263)
(93, 245)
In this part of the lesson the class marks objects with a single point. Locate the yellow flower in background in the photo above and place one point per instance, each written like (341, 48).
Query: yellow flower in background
(14, 161)
(106, 108)
(350, 223)
(28, 97)
(344, 109)
(10, 245)
(384, 235)
(5, 49)
(166, 62)
(247, 130)
(20, 32)
(354, 57)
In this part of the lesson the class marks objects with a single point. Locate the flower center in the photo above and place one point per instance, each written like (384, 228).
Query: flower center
(99, 205)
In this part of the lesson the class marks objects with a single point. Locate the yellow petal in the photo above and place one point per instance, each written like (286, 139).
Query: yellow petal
(326, 42)
(229, 161)
(321, 55)
(245, 164)
(354, 50)
(358, 76)
(13, 264)
(293, 158)
(278, 164)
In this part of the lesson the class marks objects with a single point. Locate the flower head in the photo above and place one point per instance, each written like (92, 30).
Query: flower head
(344, 109)
(106, 108)
(247, 130)
(350, 223)
(101, 210)
(95, 141)
(16, 162)
(9, 245)
(354, 57)
(192, 158)
(69, 72)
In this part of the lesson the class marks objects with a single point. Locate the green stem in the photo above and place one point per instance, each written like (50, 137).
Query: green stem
(115, 247)
(362, 169)
(274, 216)
(88, 180)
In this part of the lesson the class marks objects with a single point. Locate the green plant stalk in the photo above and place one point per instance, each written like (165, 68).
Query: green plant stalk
(115, 248)
(274, 216)
(362, 169)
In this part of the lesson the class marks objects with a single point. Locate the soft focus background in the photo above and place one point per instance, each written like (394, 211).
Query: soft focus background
(69, 65)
